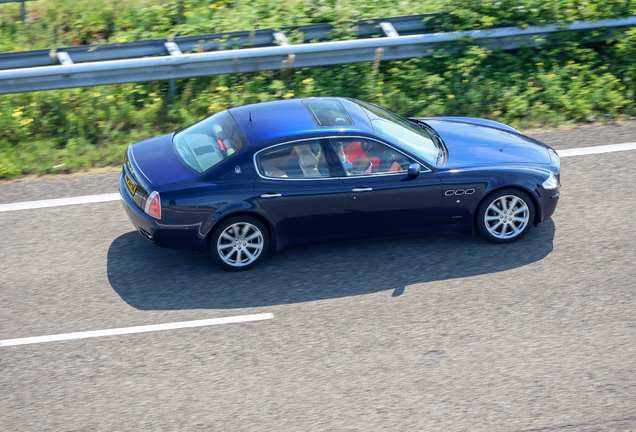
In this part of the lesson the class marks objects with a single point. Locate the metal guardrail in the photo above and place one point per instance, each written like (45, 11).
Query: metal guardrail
(280, 57)
(404, 25)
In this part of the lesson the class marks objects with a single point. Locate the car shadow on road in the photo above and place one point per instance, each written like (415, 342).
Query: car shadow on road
(151, 278)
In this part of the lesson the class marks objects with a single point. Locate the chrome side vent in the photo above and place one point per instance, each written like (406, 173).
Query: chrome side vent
(459, 192)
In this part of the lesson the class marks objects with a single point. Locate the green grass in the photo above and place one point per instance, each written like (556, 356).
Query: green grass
(87, 127)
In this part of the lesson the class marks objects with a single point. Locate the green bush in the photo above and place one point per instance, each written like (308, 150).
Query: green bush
(71, 129)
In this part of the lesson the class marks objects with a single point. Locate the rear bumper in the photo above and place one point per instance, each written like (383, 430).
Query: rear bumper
(153, 230)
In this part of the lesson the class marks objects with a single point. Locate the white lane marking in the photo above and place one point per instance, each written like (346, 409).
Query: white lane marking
(140, 329)
(88, 199)
(597, 149)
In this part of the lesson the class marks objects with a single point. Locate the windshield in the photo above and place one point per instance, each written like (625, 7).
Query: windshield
(398, 130)
(208, 142)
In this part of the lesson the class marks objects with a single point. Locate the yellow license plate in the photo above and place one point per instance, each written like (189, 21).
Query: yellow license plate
(131, 186)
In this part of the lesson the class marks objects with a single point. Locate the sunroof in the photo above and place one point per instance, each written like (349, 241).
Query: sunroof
(328, 112)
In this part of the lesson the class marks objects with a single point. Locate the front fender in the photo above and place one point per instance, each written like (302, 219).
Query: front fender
(464, 189)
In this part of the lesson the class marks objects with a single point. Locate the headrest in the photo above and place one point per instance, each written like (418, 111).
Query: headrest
(306, 156)
(229, 143)
(222, 135)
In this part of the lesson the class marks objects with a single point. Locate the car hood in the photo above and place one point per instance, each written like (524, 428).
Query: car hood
(475, 144)
(158, 162)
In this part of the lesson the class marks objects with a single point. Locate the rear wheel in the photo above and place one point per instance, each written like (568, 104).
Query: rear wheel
(239, 243)
(505, 216)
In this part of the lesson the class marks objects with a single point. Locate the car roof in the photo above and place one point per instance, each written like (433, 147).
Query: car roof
(287, 120)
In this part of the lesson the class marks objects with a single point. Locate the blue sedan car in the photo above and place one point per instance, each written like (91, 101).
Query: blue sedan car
(259, 178)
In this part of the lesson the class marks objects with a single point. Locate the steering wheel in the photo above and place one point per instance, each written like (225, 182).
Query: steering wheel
(365, 146)
(396, 159)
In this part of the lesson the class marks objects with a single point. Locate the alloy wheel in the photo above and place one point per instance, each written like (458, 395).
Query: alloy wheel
(507, 217)
(240, 244)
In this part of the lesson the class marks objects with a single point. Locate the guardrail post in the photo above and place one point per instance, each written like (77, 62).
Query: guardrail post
(62, 57)
(281, 39)
(172, 89)
(23, 15)
(389, 30)
(174, 50)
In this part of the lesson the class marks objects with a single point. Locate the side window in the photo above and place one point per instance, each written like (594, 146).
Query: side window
(360, 156)
(305, 159)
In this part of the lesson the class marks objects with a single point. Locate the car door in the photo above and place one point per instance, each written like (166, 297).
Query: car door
(382, 197)
(301, 191)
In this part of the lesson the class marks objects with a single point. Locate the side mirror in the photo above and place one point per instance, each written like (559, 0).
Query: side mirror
(414, 170)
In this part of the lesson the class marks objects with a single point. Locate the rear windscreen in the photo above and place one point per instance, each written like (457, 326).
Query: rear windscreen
(328, 112)
(205, 144)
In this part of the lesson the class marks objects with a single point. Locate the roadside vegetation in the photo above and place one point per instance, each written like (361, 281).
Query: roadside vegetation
(576, 80)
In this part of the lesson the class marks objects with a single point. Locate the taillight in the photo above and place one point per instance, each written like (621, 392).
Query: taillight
(153, 205)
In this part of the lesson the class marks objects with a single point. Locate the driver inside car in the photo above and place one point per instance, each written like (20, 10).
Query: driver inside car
(358, 166)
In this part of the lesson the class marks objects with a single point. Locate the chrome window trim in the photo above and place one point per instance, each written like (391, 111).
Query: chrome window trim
(423, 167)
(290, 179)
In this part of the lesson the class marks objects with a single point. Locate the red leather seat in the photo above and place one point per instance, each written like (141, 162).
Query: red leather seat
(354, 151)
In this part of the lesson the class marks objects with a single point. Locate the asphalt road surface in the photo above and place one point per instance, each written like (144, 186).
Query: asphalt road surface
(433, 332)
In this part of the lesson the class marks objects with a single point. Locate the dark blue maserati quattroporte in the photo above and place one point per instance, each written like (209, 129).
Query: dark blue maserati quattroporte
(263, 177)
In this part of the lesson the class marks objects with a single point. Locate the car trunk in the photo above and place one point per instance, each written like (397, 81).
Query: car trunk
(151, 164)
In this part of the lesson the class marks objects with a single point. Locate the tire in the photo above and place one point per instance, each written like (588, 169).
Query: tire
(505, 216)
(239, 243)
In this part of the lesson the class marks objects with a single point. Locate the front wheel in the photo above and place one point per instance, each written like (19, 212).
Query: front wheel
(239, 243)
(505, 216)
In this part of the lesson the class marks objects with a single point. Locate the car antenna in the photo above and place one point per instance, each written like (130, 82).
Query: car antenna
(250, 116)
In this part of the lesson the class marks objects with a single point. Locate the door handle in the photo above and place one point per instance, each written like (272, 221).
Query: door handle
(270, 195)
(361, 189)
